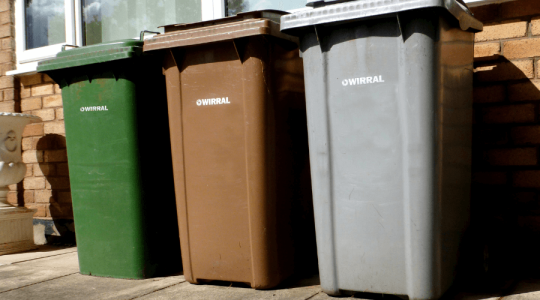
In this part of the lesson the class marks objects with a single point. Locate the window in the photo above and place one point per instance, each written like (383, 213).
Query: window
(43, 27)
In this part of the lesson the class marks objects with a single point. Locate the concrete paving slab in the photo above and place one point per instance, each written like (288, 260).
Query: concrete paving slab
(41, 252)
(525, 290)
(29, 272)
(187, 291)
(77, 286)
(67, 261)
(15, 277)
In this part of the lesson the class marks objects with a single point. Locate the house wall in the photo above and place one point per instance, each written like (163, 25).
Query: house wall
(506, 136)
(46, 185)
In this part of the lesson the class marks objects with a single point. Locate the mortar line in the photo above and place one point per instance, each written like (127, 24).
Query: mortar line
(312, 296)
(18, 288)
(18, 262)
(158, 290)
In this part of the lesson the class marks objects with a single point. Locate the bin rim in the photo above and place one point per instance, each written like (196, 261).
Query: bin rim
(246, 24)
(361, 9)
(92, 54)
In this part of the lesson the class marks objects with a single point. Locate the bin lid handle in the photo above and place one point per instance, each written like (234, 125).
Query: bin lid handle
(67, 45)
(147, 31)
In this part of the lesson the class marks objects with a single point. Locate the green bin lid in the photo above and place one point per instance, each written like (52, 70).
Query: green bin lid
(94, 54)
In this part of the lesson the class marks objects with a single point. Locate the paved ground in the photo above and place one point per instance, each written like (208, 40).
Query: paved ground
(52, 273)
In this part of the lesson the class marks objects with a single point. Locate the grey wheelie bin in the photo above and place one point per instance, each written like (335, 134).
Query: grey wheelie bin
(389, 108)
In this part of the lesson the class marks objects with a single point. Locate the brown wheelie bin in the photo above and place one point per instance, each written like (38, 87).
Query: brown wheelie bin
(237, 118)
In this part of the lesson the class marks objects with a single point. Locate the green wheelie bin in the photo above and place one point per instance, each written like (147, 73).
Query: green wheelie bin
(119, 159)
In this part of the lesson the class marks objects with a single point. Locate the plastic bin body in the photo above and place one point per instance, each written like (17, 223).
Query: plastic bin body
(119, 160)
(241, 164)
(389, 105)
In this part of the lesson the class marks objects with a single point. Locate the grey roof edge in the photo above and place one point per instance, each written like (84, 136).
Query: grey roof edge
(369, 8)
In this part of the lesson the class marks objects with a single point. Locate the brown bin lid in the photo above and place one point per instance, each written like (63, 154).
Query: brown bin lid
(264, 22)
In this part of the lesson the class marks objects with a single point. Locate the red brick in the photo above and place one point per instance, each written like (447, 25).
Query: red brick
(44, 169)
(26, 92)
(489, 178)
(28, 143)
(535, 26)
(511, 157)
(491, 136)
(30, 104)
(57, 210)
(525, 134)
(522, 48)
(525, 197)
(31, 79)
(487, 50)
(7, 57)
(29, 170)
(45, 115)
(43, 89)
(503, 71)
(525, 91)
(32, 156)
(12, 187)
(7, 106)
(52, 101)
(55, 155)
(8, 44)
(6, 30)
(56, 127)
(12, 198)
(506, 30)
(28, 196)
(518, 113)
(33, 130)
(9, 94)
(5, 17)
(46, 78)
(41, 209)
(60, 113)
(529, 179)
(57, 89)
(5, 5)
(58, 183)
(34, 183)
(43, 196)
(520, 8)
(529, 223)
(489, 94)
(64, 197)
(62, 169)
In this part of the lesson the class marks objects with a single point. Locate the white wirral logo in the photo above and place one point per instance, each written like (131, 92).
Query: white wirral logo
(362, 80)
(94, 108)
(213, 101)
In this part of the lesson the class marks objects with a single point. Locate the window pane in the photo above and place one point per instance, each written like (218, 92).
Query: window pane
(236, 6)
(109, 20)
(45, 23)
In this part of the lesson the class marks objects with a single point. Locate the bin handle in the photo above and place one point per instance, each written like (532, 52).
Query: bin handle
(66, 45)
(147, 31)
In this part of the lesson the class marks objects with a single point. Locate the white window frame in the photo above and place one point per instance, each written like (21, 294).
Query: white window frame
(27, 60)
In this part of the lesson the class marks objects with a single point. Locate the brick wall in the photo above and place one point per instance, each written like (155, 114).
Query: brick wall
(46, 185)
(506, 137)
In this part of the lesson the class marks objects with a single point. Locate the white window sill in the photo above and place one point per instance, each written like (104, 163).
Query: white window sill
(475, 3)
(24, 69)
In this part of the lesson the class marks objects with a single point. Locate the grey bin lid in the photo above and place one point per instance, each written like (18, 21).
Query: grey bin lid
(352, 10)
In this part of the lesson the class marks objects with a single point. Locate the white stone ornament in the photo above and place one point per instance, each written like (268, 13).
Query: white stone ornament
(16, 228)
